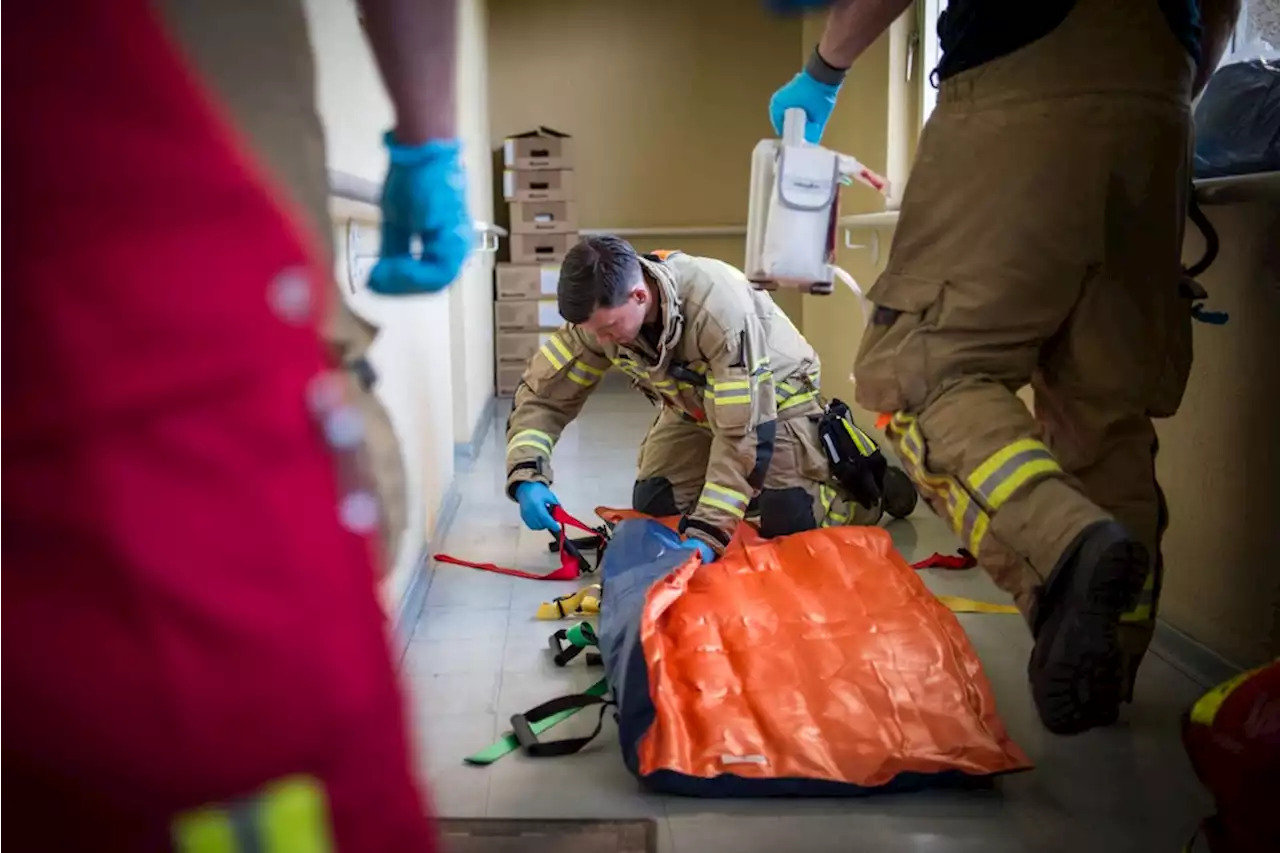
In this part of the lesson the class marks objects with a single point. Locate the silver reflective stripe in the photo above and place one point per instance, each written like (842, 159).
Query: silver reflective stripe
(1009, 469)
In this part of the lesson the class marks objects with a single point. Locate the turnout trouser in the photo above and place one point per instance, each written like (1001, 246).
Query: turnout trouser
(257, 58)
(797, 493)
(1039, 243)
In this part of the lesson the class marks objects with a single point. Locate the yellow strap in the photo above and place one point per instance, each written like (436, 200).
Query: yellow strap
(582, 603)
(958, 604)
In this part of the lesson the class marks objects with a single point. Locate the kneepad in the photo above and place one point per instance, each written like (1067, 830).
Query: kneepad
(784, 511)
(654, 496)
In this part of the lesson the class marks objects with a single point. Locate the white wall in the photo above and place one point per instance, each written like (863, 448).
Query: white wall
(353, 105)
(412, 354)
(472, 298)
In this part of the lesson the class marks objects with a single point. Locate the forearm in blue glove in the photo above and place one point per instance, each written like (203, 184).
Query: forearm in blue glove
(424, 196)
(813, 90)
(535, 501)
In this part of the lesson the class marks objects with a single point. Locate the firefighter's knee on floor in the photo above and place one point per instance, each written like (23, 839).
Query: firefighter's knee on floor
(785, 511)
(654, 496)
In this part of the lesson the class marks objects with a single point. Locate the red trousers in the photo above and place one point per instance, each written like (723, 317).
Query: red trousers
(185, 619)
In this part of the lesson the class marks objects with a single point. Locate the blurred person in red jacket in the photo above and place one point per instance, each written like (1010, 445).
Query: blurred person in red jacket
(194, 654)
(1232, 736)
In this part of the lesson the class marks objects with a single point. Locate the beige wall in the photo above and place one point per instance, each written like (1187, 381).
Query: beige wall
(353, 106)
(871, 121)
(1218, 461)
(413, 352)
(666, 100)
(471, 300)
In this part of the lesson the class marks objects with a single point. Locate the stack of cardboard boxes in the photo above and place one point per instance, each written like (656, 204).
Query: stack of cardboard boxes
(541, 215)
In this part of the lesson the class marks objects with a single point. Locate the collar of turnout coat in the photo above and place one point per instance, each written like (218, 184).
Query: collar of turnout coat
(669, 300)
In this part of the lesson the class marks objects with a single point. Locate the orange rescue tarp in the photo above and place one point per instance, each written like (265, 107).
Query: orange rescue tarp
(817, 655)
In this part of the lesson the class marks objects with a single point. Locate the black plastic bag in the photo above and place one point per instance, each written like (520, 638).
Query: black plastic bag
(1238, 120)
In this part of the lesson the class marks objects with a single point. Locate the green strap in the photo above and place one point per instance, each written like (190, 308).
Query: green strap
(507, 743)
(582, 635)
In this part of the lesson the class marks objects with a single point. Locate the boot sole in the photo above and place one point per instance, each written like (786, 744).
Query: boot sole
(1076, 674)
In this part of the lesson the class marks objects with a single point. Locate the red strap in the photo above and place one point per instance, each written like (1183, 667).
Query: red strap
(569, 569)
(962, 560)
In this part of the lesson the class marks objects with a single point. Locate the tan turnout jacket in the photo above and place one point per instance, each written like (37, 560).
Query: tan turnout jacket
(728, 359)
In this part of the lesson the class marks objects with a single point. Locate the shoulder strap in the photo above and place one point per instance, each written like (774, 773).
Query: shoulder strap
(525, 726)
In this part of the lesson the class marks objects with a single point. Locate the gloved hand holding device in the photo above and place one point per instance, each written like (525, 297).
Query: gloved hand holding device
(536, 501)
(813, 90)
(424, 196)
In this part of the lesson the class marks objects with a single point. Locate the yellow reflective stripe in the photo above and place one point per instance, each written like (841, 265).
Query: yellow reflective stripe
(557, 352)
(795, 400)
(1009, 469)
(550, 355)
(1141, 611)
(206, 830)
(584, 374)
(967, 517)
(1206, 707)
(733, 392)
(865, 445)
(537, 439)
(291, 815)
(722, 497)
(830, 518)
(561, 346)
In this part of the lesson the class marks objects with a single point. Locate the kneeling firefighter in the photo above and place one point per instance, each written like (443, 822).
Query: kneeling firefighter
(738, 385)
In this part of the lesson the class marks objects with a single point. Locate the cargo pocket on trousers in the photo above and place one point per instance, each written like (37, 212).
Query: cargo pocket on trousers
(1175, 364)
(890, 374)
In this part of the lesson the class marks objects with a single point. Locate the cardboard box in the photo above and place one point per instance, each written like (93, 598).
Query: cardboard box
(529, 315)
(537, 185)
(539, 217)
(540, 148)
(508, 378)
(526, 281)
(517, 347)
(540, 248)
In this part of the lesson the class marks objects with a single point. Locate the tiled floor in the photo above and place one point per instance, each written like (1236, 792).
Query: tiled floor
(478, 656)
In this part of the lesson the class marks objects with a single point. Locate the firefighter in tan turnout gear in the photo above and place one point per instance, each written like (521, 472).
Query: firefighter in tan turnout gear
(1039, 244)
(736, 382)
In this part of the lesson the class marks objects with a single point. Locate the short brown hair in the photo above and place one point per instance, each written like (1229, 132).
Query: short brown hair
(598, 272)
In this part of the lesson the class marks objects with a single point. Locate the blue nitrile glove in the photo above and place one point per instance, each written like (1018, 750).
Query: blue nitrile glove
(535, 501)
(424, 196)
(817, 99)
(706, 551)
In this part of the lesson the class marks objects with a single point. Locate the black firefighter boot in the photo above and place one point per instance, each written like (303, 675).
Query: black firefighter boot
(1078, 679)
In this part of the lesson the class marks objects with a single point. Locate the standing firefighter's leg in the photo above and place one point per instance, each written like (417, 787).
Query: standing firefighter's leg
(1016, 201)
(672, 465)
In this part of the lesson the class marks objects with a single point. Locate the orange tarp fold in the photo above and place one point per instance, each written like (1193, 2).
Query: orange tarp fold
(819, 655)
